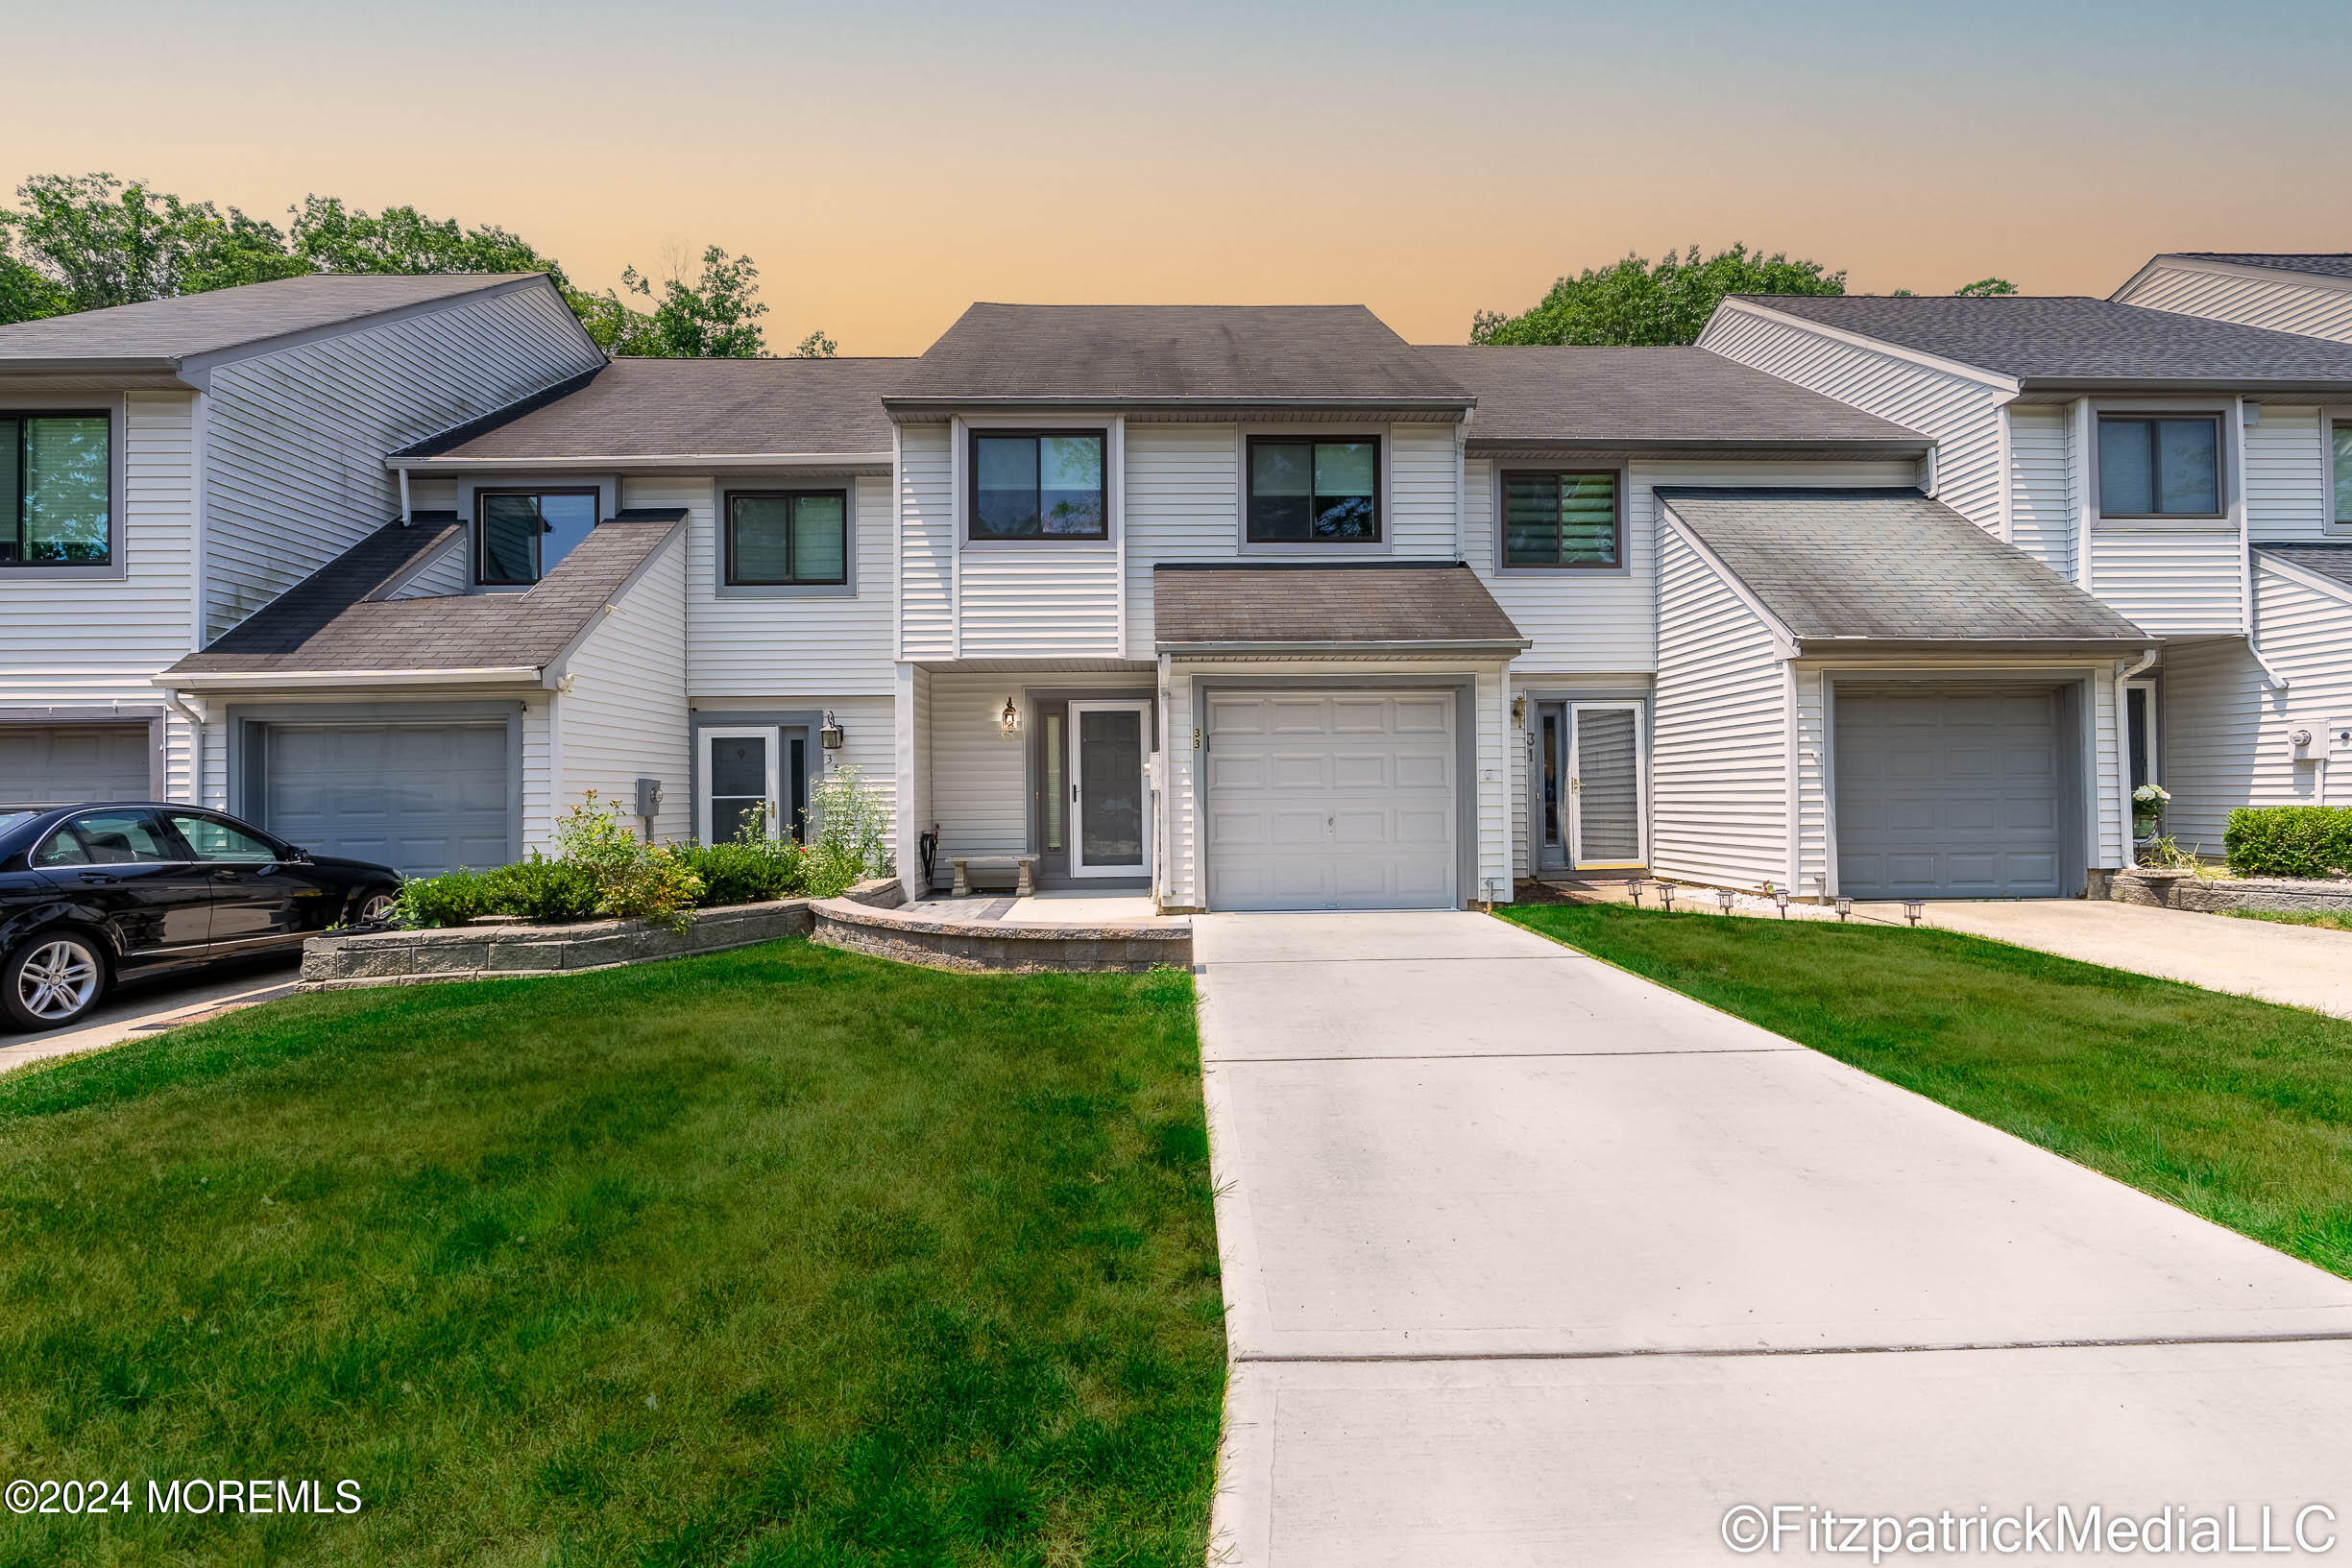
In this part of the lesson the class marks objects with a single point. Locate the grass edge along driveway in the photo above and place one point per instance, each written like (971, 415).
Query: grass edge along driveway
(779, 1256)
(2237, 1110)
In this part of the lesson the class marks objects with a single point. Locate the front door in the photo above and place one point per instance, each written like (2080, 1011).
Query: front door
(1110, 802)
(1604, 768)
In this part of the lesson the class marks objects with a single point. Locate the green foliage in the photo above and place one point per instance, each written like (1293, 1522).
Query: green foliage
(537, 888)
(1636, 303)
(91, 241)
(1984, 288)
(449, 900)
(852, 842)
(816, 345)
(750, 868)
(716, 317)
(2289, 842)
(330, 237)
(632, 881)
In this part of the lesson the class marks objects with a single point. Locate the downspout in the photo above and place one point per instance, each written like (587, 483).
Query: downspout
(196, 745)
(406, 516)
(2246, 546)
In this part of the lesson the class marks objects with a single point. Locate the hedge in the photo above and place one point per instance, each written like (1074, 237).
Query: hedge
(2289, 842)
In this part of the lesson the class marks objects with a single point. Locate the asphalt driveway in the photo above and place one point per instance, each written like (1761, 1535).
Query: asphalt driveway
(1530, 1260)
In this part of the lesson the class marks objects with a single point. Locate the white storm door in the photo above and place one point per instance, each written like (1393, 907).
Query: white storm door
(739, 778)
(1110, 799)
(1604, 806)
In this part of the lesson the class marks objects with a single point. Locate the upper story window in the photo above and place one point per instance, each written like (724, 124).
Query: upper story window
(2165, 465)
(57, 481)
(1038, 484)
(2339, 438)
(780, 539)
(521, 533)
(1305, 491)
(1562, 520)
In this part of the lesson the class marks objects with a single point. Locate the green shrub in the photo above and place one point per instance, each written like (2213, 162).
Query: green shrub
(744, 872)
(2289, 842)
(449, 900)
(537, 888)
(632, 881)
(851, 843)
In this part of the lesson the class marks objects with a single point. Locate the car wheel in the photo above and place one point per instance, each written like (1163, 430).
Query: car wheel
(52, 980)
(375, 905)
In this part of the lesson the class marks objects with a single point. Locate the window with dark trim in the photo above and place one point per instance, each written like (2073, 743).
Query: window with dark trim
(787, 538)
(1562, 520)
(2160, 466)
(2339, 459)
(519, 535)
(1314, 489)
(57, 488)
(1038, 484)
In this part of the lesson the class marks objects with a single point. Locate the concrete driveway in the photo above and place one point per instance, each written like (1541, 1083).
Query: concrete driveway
(151, 1007)
(1531, 1262)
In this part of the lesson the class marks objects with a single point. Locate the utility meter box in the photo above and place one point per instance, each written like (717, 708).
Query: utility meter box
(648, 797)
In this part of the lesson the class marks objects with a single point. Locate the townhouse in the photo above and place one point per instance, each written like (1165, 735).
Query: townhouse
(1248, 607)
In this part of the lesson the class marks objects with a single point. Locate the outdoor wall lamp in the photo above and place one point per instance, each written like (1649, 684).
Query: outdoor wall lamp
(1518, 711)
(829, 735)
(1009, 720)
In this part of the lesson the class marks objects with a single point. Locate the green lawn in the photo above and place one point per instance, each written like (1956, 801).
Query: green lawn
(2237, 1110)
(2327, 919)
(785, 1256)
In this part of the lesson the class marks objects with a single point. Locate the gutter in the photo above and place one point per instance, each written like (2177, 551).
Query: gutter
(263, 680)
(1493, 646)
(1323, 402)
(697, 463)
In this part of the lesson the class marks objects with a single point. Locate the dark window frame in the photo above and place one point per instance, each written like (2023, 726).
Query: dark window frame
(481, 535)
(973, 435)
(1502, 519)
(791, 541)
(1380, 539)
(2338, 424)
(14, 526)
(2152, 417)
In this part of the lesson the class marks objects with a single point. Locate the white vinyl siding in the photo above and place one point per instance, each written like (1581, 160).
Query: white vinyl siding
(1719, 739)
(2279, 301)
(1420, 507)
(2172, 583)
(745, 646)
(926, 541)
(2288, 480)
(94, 641)
(2224, 731)
(978, 780)
(1963, 414)
(624, 717)
(1183, 502)
(443, 574)
(1053, 601)
(295, 440)
(910, 717)
(539, 772)
(2042, 499)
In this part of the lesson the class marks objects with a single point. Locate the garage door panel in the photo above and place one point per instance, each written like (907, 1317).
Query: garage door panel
(423, 798)
(1338, 800)
(62, 765)
(1948, 792)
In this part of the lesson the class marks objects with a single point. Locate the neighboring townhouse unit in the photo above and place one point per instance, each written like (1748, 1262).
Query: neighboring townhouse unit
(2307, 294)
(1263, 607)
(2185, 471)
(167, 468)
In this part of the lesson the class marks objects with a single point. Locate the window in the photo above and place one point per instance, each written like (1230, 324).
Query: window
(1038, 485)
(1560, 520)
(1314, 491)
(2140, 730)
(102, 838)
(524, 533)
(208, 838)
(778, 539)
(56, 485)
(2160, 467)
(2341, 438)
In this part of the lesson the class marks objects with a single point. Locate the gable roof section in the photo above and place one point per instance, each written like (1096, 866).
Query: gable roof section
(2083, 344)
(1663, 397)
(1327, 356)
(2332, 264)
(165, 334)
(2332, 561)
(330, 623)
(1889, 566)
(642, 409)
(1204, 606)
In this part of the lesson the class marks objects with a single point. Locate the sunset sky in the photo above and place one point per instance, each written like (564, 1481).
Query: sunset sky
(886, 164)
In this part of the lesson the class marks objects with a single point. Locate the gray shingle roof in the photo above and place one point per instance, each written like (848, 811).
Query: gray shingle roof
(2332, 560)
(2322, 264)
(1889, 566)
(1605, 397)
(193, 325)
(645, 409)
(2069, 342)
(328, 624)
(1278, 604)
(1333, 356)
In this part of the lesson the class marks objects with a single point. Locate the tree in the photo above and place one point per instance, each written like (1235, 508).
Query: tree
(1986, 288)
(94, 241)
(816, 345)
(716, 317)
(334, 238)
(1636, 303)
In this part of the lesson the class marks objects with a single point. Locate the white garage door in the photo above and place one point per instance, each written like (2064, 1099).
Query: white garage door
(420, 798)
(1948, 793)
(59, 765)
(1329, 800)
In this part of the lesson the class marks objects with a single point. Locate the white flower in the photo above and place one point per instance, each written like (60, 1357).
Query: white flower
(2151, 795)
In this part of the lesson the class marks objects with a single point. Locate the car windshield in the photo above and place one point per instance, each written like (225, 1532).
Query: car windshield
(11, 821)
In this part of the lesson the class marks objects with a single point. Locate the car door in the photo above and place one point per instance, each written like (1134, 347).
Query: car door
(257, 899)
(122, 867)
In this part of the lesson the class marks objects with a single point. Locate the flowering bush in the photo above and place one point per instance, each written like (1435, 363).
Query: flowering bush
(852, 843)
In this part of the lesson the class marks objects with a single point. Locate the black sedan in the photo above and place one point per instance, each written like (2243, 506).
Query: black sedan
(90, 895)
